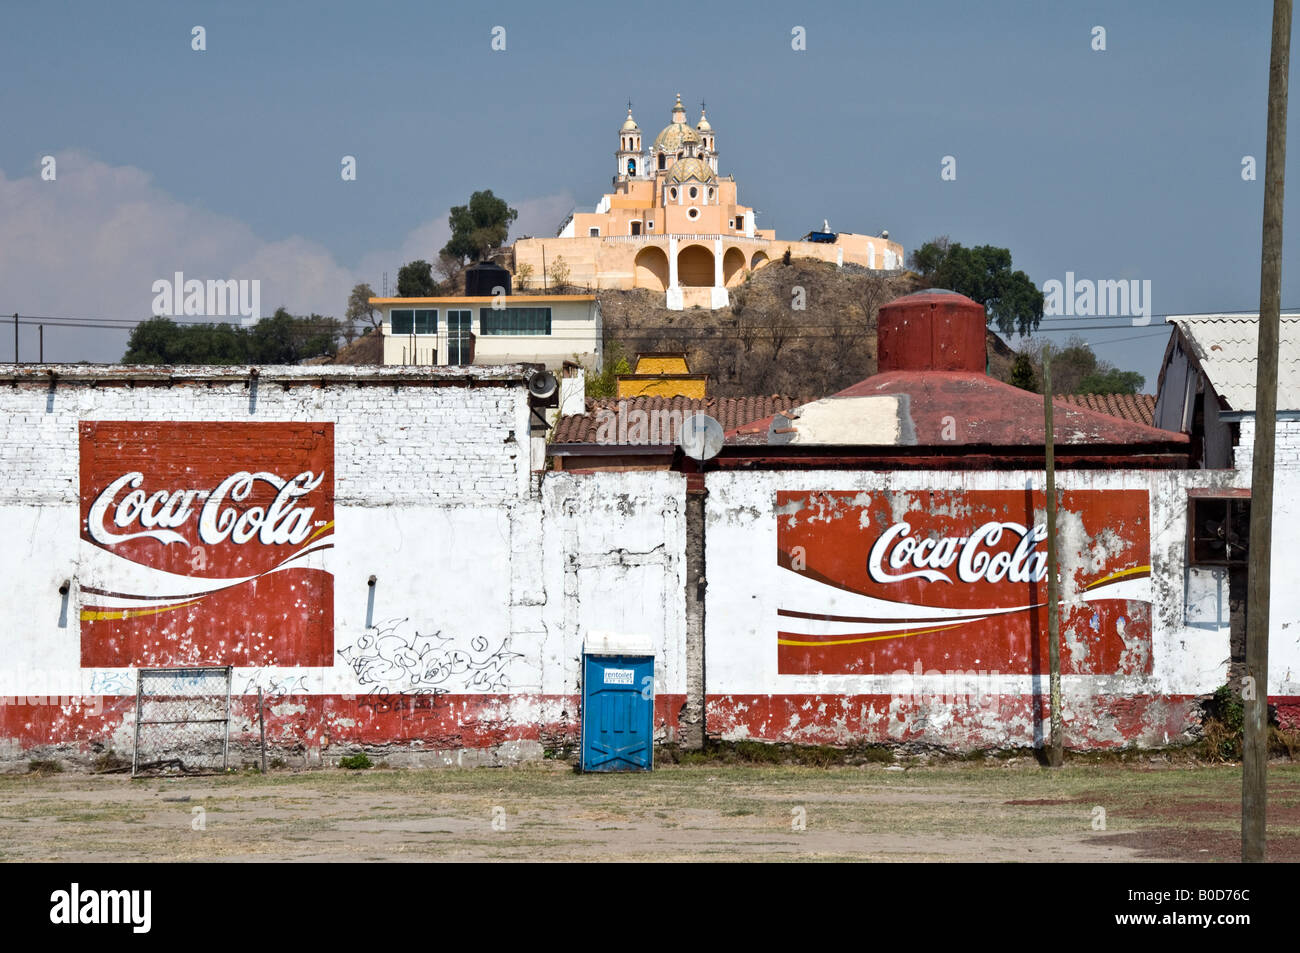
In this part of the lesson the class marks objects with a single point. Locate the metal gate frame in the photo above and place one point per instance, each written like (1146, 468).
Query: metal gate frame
(227, 670)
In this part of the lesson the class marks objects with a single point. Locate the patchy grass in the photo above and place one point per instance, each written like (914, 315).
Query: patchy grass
(995, 809)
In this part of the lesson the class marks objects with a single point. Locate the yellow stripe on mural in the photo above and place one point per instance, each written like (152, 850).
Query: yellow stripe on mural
(93, 615)
(873, 638)
(327, 526)
(1135, 570)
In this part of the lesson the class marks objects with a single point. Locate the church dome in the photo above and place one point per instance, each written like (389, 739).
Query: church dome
(675, 137)
(703, 124)
(691, 168)
(629, 124)
(677, 134)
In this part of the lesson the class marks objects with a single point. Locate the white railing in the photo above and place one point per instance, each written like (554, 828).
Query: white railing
(682, 237)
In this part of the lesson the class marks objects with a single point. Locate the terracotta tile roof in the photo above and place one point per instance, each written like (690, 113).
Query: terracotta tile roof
(916, 409)
(731, 412)
(1137, 408)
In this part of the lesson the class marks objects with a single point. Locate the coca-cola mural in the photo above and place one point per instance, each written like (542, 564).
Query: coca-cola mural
(875, 583)
(206, 543)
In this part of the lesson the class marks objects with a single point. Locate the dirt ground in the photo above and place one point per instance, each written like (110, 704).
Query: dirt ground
(970, 812)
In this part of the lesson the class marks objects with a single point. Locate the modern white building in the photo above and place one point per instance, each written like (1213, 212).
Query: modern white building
(509, 329)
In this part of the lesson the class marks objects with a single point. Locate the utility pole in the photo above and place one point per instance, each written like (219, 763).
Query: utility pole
(1057, 753)
(40, 347)
(15, 337)
(1254, 767)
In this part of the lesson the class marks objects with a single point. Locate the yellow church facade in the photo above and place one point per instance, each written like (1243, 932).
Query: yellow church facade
(673, 224)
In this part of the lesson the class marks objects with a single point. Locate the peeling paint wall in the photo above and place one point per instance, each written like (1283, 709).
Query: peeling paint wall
(1168, 642)
(487, 578)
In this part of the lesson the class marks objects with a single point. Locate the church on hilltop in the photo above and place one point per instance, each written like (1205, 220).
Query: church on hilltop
(673, 224)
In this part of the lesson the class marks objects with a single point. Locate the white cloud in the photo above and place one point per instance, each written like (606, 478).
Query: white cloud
(92, 242)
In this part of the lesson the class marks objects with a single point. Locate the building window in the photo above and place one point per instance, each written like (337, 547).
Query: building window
(710, 195)
(1219, 531)
(692, 213)
(631, 167)
(694, 192)
(672, 193)
(534, 321)
(593, 232)
(661, 161)
(650, 225)
(414, 321)
(458, 335)
(740, 223)
(636, 228)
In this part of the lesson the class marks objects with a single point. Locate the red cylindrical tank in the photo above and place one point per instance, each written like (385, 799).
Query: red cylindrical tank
(931, 330)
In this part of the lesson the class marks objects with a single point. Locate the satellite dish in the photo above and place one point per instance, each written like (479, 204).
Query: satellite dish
(700, 437)
(542, 385)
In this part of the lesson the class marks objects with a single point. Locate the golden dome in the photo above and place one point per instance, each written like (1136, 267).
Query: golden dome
(677, 133)
(675, 137)
(691, 168)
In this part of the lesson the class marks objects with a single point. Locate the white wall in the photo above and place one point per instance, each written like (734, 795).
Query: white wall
(1190, 639)
(433, 496)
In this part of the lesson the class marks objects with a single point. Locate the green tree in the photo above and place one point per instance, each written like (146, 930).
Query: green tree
(925, 260)
(279, 339)
(1022, 374)
(605, 383)
(479, 227)
(415, 280)
(359, 309)
(983, 274)
(1076, 370)
(1111, 381)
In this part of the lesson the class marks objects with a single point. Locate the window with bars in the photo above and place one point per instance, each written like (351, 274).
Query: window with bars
(514, 320)
(1219, 531)
(414, 321)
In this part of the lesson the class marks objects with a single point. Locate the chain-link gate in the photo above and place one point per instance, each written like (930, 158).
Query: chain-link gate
(182, 720)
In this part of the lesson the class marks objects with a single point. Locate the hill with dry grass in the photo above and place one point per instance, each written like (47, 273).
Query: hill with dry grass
(803, 328)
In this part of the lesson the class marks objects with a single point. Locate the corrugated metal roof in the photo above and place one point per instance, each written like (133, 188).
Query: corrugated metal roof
(1227, 345)
(1138, 408)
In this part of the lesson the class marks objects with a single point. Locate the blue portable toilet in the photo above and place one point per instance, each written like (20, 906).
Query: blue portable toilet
(617, 710)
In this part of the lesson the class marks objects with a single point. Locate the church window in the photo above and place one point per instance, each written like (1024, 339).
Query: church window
(710, 193)
(636, 228)
(673, 193)
(693, 213)
(594, 231)
(650, 225)
(661, 161)
(694, 192)
(631, 167)
(740, 223)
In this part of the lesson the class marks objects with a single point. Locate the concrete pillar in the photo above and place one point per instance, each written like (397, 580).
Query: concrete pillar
(717, 263)
(673, 298)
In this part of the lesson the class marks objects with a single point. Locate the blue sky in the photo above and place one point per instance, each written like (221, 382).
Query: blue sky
(225, 163)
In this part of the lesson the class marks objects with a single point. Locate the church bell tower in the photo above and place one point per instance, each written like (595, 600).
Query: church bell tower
(631, 163)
